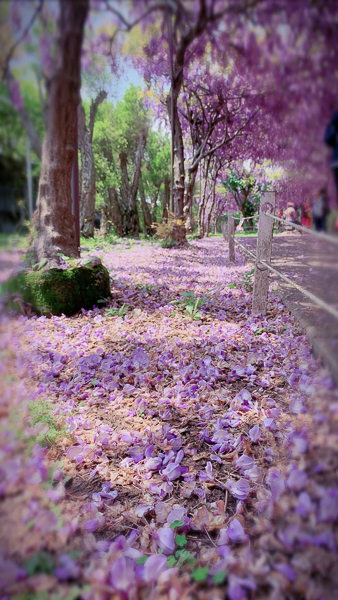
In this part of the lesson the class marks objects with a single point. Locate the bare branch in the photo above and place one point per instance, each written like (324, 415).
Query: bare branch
(22, 37)
(228, 140)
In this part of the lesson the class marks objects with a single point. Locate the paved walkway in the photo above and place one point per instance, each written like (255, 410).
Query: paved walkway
(313, 264)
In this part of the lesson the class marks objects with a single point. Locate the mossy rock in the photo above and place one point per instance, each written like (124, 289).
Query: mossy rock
(56, 291)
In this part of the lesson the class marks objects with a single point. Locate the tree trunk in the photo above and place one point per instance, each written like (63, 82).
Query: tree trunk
(128, 205)
(179, 174)
(104, 223)
(147, 218)
(53, 219)
(115, 211)
(213, 200)
(166, 200)
(188, 198)
(87, 194)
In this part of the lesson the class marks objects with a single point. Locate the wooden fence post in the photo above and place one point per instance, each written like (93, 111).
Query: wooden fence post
(231, 232)
(263, 252)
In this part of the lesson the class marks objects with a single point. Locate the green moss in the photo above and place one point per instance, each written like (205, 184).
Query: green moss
(57, 291)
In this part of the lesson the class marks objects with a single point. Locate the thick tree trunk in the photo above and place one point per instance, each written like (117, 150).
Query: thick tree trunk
(87, 194)
(53, 219)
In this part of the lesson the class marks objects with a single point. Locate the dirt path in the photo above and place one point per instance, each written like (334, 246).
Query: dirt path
(313, 264)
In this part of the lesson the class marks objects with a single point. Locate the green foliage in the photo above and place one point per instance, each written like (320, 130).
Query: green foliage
(246, 191)
(12, 132)
(181, 557)
(176, 524)
(184, 556)
(192, 304)
(169, 243)
(181, 540)
(200, 574)
(9, 241)
(116, 312)
(117, 129)
(41, 413)
(147, 288)
(99, 243)
(41, 562)
(247, 280)
(219, 578)
(142, 560)
(171, 561)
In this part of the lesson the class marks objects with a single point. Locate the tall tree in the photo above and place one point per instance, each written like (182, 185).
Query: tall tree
(53, 219)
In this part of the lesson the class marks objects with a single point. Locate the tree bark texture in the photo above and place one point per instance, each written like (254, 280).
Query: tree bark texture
(147, 218)
(128, 203)
(53, 219)
(166, 200)
(115, 211)
(87, 190)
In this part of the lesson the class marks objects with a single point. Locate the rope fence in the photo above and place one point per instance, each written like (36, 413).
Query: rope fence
(263, 256)
(319, 234)
(312, 297)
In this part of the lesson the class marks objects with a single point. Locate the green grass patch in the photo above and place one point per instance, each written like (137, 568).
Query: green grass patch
(48, 431)
(11, 241)
(246, 234)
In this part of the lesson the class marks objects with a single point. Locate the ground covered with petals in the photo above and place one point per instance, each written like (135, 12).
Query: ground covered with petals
(168, 445)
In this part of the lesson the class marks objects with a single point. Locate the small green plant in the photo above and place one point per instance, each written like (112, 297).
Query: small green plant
(264, 330)
(219, 578)
(169, 243)
(116, 312)
(43, 421)
(66, 259)
(41, 562)
(181, 557)
(247, 281)
(184, 556)
(181, 540)
(200, 574)
(193, 236)
(192, 304)
(147, 288)
(171, 561)
(177, 524)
